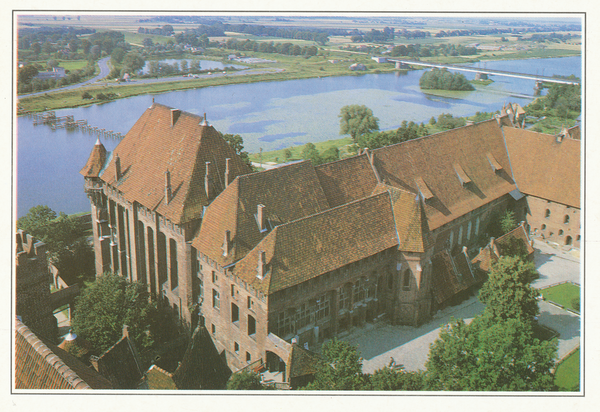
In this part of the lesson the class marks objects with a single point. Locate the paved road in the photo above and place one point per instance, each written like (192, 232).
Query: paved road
(104, 70)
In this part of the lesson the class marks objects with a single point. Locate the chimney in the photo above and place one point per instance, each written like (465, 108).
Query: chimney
(207, 180)
(174, 116)
(226, 243)
(227, 171)
(204, 121)
(262, 264)
(261, 217)
(118, 167)
(168, 192)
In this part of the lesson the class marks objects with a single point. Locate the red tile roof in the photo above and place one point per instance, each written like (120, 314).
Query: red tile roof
(308, 247)
(95, 162)
(430, 160)
(488, 255)
(544, 167)
(288, 193)
(346, 180)
(154, 146)
(40, 364)
(121, 364)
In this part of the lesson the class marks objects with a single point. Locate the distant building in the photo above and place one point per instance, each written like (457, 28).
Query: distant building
(298, 254)
(56, 73)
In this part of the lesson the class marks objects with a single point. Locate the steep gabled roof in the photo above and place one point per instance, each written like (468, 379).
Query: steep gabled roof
(164, 139)
(490, 254)
(95, 162)
(121, 364)
(201, 366)
(427, 166)
(306, 248)
(408, 216)
(288, 193)
(545, 167)
(346, 180)
(451, 275)
(39, 364)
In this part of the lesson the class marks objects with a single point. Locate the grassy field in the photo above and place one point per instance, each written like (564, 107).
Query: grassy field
(278, 156)
(562, 294)
(566, 377)
(73, 64)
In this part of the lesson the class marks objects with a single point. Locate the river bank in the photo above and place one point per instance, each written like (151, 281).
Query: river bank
(286, 68)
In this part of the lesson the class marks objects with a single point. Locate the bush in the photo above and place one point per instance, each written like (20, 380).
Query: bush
(576, 303)
(86, 96)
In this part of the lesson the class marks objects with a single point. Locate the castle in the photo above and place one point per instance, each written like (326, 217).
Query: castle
(300, 253)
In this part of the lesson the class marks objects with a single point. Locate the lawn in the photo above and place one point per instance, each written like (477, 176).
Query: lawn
(563, 294)
(566, 377)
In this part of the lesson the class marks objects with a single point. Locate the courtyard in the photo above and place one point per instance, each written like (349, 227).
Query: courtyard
(381, 342)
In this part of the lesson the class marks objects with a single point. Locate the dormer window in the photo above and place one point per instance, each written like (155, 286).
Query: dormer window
(424, 191)
(462, 176)
(496, 167)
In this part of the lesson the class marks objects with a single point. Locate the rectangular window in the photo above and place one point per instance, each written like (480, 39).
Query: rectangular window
(236, 347)
(406, 280)
(469, 230)
(213, 329)
(460, 233)
(235, 313)
(232, 291)
(249, 302)
(215, 278)
(200, 287)
(477, 226)
(248, 357)
(216, 299)
(251, 325)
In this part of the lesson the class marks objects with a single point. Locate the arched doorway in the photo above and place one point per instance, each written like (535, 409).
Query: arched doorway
(275, 363)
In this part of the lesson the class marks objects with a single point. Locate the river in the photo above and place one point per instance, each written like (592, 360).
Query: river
(268, 115)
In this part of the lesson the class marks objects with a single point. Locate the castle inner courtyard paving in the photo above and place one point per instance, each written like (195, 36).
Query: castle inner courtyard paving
(381, 342)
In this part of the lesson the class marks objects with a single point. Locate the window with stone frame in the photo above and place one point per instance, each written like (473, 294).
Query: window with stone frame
(323, 307)
(303, 315)
(358, 290)
(235, 314)
(251, 326)
(285, 322)
(216, 296)
(371, 286)
(345, 296)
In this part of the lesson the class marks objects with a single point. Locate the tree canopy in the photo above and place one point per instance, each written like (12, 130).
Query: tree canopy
(442, 79)
(357, 120)
(245, 380)
(489, 355)
(339, 369)
(108, 303)
(507, 293)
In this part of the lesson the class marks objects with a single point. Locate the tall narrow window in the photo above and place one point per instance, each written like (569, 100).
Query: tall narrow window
(249, 302)
(251, 325)
(235, 313)
(567, 218)
(406, 280)
(216, 299)
(215, 278)
(232, 290)
(460, 233)
(469, 230)
(236, 347)
(248, 357)
(477, 226)
(547, 212)
(174, 273)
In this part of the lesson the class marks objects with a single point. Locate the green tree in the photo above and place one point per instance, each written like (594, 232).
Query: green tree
(237, 143)
(245, 380)
(107, 304)
(117, 55)
(508, 221)
(489, 355)
(310, 152)
(357, 120)
(133, 61)
(287, 153)
(507, 293)
(339, 369)
(398, 379)
(330, 155)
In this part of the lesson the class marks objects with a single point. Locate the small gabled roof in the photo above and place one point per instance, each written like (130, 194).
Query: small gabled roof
(347, 180)
(426, 165)
(96, 161)
(121, 364)
(545, 167)
(164, 139)
(306, 248)
(201, 367)
(288, 193)
(488, 255)
(451, 275)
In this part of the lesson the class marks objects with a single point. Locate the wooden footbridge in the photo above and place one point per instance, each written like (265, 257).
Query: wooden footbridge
(68, 122)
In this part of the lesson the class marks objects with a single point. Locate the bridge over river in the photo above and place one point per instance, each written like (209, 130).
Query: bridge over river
(480, 72)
